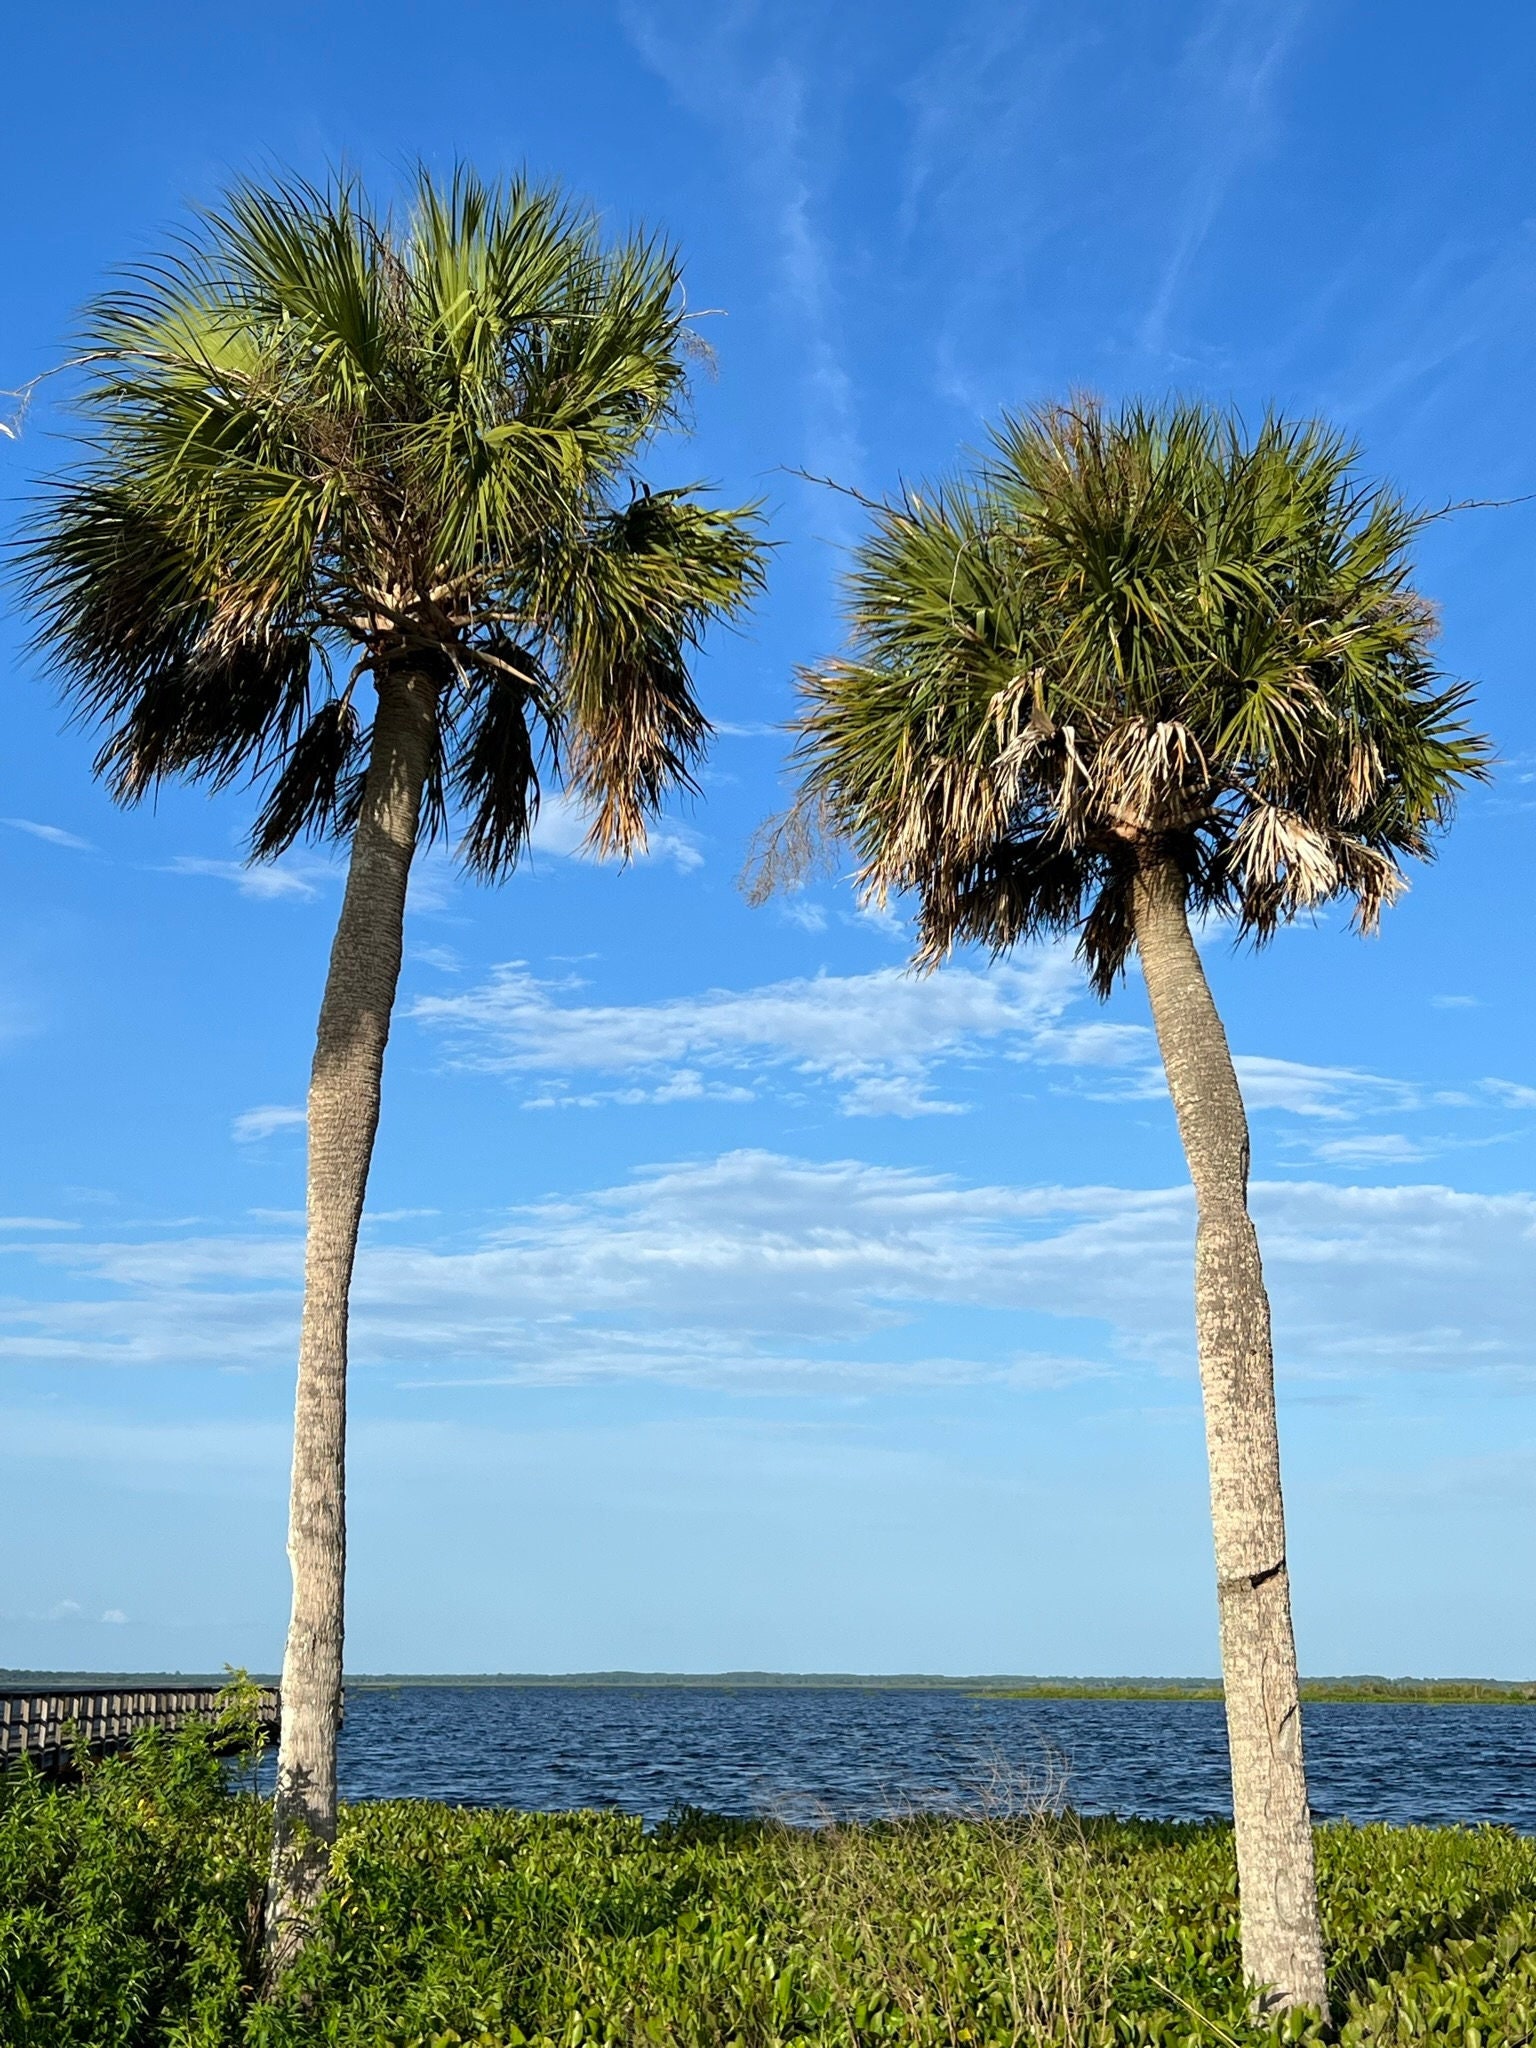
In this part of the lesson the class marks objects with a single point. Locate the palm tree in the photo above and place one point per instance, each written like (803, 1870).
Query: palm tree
(325, 444)
(1138, 666)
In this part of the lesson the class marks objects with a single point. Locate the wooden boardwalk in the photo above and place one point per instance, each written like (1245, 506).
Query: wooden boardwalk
(49, 1727)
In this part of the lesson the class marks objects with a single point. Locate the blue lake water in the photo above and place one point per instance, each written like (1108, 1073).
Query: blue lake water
(808, 1754)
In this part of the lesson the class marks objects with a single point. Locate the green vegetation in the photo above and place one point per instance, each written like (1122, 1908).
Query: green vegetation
(130, 1910)
(1357, 1692)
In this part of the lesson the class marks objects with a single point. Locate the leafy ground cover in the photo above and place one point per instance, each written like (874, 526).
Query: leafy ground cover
(129, 1904)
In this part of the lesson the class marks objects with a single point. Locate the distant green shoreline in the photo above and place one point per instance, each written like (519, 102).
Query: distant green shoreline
(1358, 1692)
(1353, 1691)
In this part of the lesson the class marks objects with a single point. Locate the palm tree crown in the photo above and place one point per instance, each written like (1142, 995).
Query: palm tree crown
(1131, 637)
(323, 443)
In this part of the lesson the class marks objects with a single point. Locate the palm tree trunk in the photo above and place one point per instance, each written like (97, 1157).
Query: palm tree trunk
(1277, 1884)
(343, 1117)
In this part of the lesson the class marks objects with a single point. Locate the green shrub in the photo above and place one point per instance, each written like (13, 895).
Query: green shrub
(128, 1902)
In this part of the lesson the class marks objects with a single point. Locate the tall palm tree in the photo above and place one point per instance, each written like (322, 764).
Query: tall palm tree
(1133, 667)
(324, 444)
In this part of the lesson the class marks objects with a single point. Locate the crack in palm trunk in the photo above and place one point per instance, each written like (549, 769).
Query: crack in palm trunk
(343, 1118)
(1272, 1824)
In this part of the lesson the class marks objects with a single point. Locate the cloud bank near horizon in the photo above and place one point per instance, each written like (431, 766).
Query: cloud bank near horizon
(757, 1272)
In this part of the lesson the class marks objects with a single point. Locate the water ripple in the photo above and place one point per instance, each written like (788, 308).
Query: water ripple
(807, 1754)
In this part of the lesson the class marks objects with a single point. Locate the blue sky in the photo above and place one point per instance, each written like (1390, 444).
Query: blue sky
(728, 1297)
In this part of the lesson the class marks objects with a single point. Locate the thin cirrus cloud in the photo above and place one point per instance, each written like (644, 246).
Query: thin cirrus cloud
(1332, 1093)
(1333, 1107)
(252, 1125)
(1229, 68)
(51, 835)
(1369, 1148)
(1512, 1094)
(879, 1040)
(770, 109)
(875, 1037)
(265, 881)
(757, 1272)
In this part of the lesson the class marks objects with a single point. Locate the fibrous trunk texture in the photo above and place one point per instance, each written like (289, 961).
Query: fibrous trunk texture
(343, 1117)
(1277, 1885)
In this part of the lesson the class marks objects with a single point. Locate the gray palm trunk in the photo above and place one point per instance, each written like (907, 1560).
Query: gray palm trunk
(1277, 1884)
(343, 1117)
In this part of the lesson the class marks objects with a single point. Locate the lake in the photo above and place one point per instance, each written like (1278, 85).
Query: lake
(809, 1754)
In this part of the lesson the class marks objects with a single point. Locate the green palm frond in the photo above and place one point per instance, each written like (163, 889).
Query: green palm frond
(497, 769)
(633, 599)
(320, 438)
(315, 787)
(1136, 636)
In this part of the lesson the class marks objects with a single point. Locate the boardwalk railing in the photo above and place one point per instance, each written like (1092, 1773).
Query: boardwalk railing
(50, 1727)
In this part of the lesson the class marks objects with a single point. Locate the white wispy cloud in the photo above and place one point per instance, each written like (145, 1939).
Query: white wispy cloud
(876, 1036)
(811, 917)
(1369, 1148)
(1293, 1087)
(53, 835)
(1420, 346)
(896, 1094)
(983, 152)
(684, 1084)
(758, 98)
(1311, 1091)
(1228, 72)
(757, 1271)
(1512, 1094)
(432, 882)
(262, 1122)
(265, 881)
(1013, 206)
(881, 1039)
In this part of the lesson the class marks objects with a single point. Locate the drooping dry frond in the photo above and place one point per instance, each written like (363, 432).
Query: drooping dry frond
(317, 439)
(1136, 638)
(787, 851)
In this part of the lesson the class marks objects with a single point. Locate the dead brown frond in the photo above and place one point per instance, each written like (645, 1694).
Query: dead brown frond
(1363, 779)
(1151, 775)
(790, 849)
(1273, 849)
(1375, 881)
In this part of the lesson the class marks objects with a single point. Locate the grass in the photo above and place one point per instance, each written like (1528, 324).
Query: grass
(129, 1904)
(1353, 1692)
